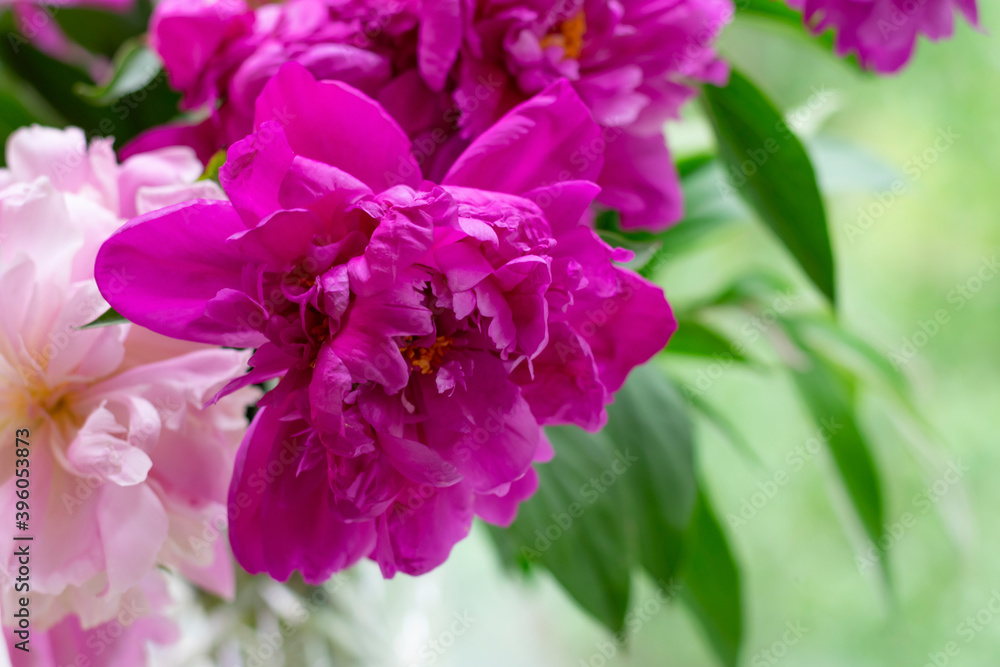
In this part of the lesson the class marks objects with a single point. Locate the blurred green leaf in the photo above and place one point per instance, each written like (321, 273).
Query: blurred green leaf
(695, 339)
(779, 183)
(710, 581)
(576, 525)
(755, 288)
(110, 317)
(134, 67)
(724, 426)
(688, 165)
(649, 424)
(102, 31)
(829, 395)
(56, 83)
(852, 353)
(53, 79)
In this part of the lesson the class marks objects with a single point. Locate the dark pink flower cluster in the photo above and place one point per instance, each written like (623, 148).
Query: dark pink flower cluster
(446, 71)
(423, 332)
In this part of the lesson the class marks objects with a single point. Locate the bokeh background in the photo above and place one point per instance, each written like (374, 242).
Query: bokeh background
(809, 599)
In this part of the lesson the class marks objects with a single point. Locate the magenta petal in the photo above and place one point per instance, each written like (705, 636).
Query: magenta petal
(418, 462)
(440, 38)
(566, 388)
(280, 521)
(366, 341)
(360, 138)
(267, 363)
(640, 180)
(202, 137)
(564, 204)
(485, 428)
(618, 344)
(418, 534)
(162, 269)
(502, 510)
(281, 238)
(254, 170)
(548, 139)
(329, 384)
(402, 236)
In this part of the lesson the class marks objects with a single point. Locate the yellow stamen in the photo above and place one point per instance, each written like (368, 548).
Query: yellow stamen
(569, 37)
(427, 359)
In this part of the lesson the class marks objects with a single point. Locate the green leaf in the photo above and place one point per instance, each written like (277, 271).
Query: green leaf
(725, 427)
(852, 353)
(109, 318)
(695, 339)
(710, 581)
(772, 172)
(688, 165)
(99, 30)
(574, 524)
(829, 396)
(649, 424)
(56, 81)
(756, 289)
(134, 67)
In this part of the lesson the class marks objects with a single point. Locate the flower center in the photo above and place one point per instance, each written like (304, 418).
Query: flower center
(569, 37)
(427, 359)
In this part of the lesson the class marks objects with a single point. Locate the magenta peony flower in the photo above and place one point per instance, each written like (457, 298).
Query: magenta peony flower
(447, 71)
(630, 61)
(422, 333)
(220, 53)
(127, 472)
(883, 33)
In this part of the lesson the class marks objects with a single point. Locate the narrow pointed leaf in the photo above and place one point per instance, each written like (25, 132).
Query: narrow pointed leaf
(710, 580)
(573, 525)
(109, 318)
(649, 426)
(771, 170)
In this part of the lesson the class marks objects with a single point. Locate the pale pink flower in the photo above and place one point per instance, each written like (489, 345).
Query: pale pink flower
(128, 471)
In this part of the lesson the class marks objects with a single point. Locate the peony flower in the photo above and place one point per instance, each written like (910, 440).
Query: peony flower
(631, 63)
(422, 333)
(127, 472)
(221, 53)
(883, 33)
(447, 71)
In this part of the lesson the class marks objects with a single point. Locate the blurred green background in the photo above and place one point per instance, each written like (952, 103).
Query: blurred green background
(897, 269)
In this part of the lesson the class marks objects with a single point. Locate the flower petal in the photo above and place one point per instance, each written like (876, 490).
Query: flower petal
(360, 138)
(548, 139)
(162, 269)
